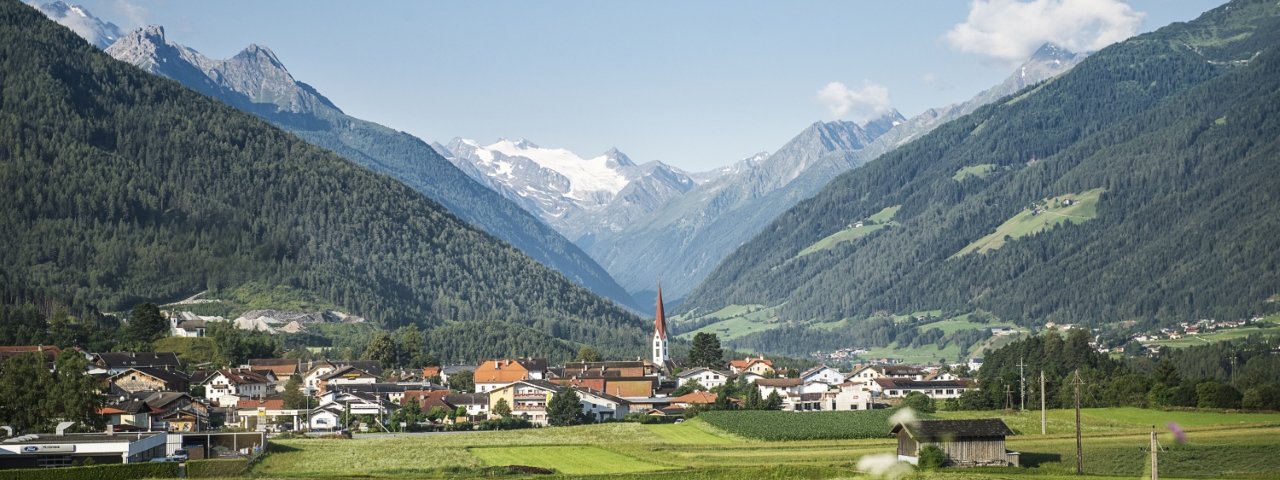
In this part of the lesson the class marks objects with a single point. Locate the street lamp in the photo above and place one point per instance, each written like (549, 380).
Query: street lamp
(309, 390)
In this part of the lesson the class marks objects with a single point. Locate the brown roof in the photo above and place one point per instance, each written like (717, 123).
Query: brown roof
(746, 362)
(508, 370)
(696, 398)
(955, 429)
(779, 382)
(241, 377)
(428, 372)
(428, 399)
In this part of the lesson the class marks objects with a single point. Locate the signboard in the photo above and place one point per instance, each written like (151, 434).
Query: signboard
(48, 448)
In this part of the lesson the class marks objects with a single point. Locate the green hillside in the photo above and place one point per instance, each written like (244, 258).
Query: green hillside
(1042, 216)
(121, 187)
(1177, 126)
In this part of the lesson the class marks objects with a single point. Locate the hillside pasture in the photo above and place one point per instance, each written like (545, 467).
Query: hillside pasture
(1083, 207)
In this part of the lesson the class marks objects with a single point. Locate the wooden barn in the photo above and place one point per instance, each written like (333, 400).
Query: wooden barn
(967, 443)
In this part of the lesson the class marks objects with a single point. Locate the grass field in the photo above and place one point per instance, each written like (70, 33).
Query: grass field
(1084, 207)
(575, 459)
(739, 321)
(979, 171)
(1267, 328)
(874, 223)
(1221, 445)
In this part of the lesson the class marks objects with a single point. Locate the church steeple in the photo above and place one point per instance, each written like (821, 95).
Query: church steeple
(660, 352)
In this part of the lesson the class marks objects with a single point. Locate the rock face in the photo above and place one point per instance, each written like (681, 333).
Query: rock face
(256, 81)
(579, 196)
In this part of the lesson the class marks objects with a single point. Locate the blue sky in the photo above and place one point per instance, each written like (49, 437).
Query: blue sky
(694, 84)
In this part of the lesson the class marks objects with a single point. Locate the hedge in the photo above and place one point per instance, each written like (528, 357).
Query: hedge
(116, 471)
(217, 468)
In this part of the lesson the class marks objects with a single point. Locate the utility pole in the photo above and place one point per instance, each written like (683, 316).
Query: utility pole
(1022, 386)
(1155, 462)
(1008, 399)
(1079, 441)
(1042, 411)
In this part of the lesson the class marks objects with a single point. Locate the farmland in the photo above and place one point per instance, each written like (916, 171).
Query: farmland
(1048, 213)
(873, 223)
(774, 425)
(1218, 444)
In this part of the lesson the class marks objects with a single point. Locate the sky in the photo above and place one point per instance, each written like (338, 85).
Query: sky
(697, 85)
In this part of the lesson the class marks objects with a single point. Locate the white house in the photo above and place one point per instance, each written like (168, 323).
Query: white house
(824, 374)
(346, 375)
(704, 376)
(783, 386)
(813, 386)
(851, 396)
(227, 387)
(867, 375)
(477, 404)
(936, 389)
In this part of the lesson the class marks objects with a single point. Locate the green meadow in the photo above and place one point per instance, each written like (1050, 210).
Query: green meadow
(1083, 207)
(1218, 445)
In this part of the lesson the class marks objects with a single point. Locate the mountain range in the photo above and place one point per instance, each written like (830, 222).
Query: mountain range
(124, 187)
(256, 81)
(1134, 191)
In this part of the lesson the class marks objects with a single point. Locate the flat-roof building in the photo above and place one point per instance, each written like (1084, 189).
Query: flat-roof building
(52, 450)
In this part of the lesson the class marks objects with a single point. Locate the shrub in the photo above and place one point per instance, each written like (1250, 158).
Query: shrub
(116, 471)
(932, 458)
(217, 468)
(1262, 397)
(919, 402)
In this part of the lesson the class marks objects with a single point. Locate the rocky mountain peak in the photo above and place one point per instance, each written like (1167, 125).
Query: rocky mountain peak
(101, 34)
(618, 159)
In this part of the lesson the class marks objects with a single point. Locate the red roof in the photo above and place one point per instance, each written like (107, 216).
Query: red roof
(428, 372)
(660, 318)
(746, 362)
(696, 398)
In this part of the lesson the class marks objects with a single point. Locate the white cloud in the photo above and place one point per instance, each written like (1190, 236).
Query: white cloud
(134, 15)
(1011, 30)
(860, 104)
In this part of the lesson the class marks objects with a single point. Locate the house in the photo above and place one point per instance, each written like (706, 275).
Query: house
(694, 399)
(431, 372)
(149, 379)
(128, 416)
(316, 370)
(967, 443)
(616, 386)
(477, 404)
(706, 377)
(824, 374)
(187, 328)
(451, 370)
(975, 364)
(624, 379)
(359, 403)
(428, 399)
(49, 353)
(345, 375)
(394, 392)
(282, 368)
(759, 366)
(528, 399)
(227, 387)
(492, 374)
(116, 362)
(936, 389)
(851, 396)
(783, 386)
(867, 375)
(174, 411)
(804, 402)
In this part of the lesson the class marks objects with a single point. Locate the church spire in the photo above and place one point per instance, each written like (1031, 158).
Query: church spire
(661, 356)
(660, 317)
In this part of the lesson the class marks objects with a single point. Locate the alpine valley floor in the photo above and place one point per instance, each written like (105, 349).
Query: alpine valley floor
(1218, 445)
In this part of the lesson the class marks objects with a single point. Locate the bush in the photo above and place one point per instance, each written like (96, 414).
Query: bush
(919, 402)
(116, 471)
(217, 468)
(1211, 394)
(647, 419)
(505, 423)
(932, 458)
(1262, 397)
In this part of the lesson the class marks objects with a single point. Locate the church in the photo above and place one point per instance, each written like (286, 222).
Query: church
(661, 353)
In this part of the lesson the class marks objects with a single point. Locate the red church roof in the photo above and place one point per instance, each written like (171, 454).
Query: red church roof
(660, 318)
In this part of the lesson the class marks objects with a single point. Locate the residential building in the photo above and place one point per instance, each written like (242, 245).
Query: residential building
(824, 374)
(227, 387)
(49, 353)
(694, 399)
(451, 370)
(528, 399)
(492, 374)
(345, 375)
(851, 396)
(128, 416)
(149, 379)
(783, 386)
(867, 375)
(477, 404)
(759, 366)
(704, 376)
(936, 389)
(116, 362)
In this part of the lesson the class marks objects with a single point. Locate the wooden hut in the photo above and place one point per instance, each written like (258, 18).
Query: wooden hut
(967, 443)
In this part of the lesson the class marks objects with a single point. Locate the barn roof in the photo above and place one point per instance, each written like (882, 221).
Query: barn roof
(955, 429)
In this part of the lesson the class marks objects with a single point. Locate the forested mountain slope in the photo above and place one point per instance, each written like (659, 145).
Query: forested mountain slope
(1177, 128)
(256, 81)
(122, 187)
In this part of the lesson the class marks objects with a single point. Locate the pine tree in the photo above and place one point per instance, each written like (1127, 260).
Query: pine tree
(706, 351)
(564, 408)
(146, 325)
(774, 401)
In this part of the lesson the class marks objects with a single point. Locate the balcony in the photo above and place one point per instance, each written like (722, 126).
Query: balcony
(531, 396)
